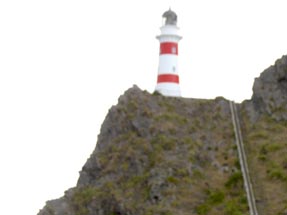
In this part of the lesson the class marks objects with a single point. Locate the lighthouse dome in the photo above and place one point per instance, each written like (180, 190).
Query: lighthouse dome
(170, 17)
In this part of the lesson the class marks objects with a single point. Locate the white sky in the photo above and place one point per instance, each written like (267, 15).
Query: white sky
(63, 63)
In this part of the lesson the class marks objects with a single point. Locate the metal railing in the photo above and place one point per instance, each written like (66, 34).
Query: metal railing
(243, 160)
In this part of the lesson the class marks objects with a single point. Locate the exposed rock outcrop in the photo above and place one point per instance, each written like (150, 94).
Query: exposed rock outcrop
(156, 155)
(270, 90)
(165, 155)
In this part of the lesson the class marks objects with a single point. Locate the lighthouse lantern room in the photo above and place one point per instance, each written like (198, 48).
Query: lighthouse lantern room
(168, 79)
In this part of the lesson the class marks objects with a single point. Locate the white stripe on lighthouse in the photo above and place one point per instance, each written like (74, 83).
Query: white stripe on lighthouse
(167, 64)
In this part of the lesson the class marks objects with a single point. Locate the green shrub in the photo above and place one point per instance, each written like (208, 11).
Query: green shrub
(156, 93)
(274, 147)
(277, 173)
(232, 208)
(237, 164)
(259, 135)
(172, 179)
(202, 209)
(234, 180)
(216, 197)
(262, 157)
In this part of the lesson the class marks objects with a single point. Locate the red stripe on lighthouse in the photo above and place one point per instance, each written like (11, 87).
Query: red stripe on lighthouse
(169, 48)
(167, 78)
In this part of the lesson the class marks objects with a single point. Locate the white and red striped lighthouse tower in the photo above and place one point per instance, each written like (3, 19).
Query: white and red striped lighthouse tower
(168, 79)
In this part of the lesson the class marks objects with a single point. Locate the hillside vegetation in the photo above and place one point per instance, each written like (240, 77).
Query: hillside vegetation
(266, 146)
(164, 156)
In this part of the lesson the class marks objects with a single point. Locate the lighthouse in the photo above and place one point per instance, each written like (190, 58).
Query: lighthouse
(168, 78)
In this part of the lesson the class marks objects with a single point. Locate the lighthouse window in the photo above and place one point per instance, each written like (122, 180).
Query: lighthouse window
(173, 68)
(173, 50)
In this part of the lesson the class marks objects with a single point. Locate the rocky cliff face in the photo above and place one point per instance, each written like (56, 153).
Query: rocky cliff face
(163, 155)
(270, 90)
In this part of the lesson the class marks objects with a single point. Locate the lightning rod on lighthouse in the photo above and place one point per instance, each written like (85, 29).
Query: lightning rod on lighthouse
(168, 78)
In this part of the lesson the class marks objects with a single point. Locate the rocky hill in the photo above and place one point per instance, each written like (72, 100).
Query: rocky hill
(164, 156)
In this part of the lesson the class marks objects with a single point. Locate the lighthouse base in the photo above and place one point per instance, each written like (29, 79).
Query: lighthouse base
(168, 89)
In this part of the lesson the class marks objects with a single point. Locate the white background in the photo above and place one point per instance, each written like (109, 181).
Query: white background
(64, 63)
